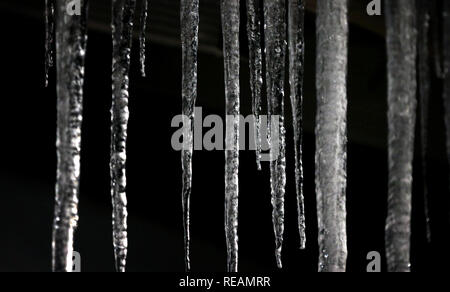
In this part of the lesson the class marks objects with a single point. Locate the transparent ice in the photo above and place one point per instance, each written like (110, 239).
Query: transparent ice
(71, 39)
(331, 133)
(256, 68)
(122, 32)
(446, 71)
(49, 36)
(230, 28)
(275, 46)
(142, 35)
(401, 52)
(296, 15)
(189, 41)
(424, 96)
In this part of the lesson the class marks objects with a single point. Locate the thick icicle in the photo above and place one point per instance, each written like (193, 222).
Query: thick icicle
(189, 41)
(446, 71)
(296, 14)
(49, 36)
(230, 28)
(122, 29)
(255, 62)
(401, 51)
(142, 35)
(275, 40)
(331, 133)
(424, 95)
(71, 39)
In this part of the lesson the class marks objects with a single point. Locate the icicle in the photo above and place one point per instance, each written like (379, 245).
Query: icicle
(122, 29)
(49, 36)
(446, 70)
(296, 69)
(331, 133)
(189, 41)
(230, 28)
(256, 79)
(436, 41)
(401, 51)
(71, 51)
(142, 35)
(424, 94)
(275, 40)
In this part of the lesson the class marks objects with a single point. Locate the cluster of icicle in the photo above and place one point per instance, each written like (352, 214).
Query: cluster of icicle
(409, 27)
(274, 41)
(69, 35)
(275, 33)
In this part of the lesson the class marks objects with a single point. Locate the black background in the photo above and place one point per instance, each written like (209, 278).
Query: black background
(28, 160)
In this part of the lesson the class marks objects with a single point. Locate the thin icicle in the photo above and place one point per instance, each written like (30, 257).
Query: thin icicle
(296, 19)
(230, 29)
(142, 36)
(255, 62)
(424, 96)
(446, 71)
(71, 51)
(401, 51)
(275, 40)
(436, 38)
(49, 36)
(122, 29)
(331, 133)
(189, 41)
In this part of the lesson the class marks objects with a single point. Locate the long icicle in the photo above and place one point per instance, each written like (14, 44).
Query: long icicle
(122, 29)
(401, 51)
(49, 36)
(424, 96)
(275, 40)
(256, 66)
(446, 71)
(142, 36)
(296, 14)
(70, 61)
(331, 133)
(230, 28)
(189, 41)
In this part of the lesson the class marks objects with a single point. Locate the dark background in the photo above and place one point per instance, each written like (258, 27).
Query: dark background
(28, 159)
